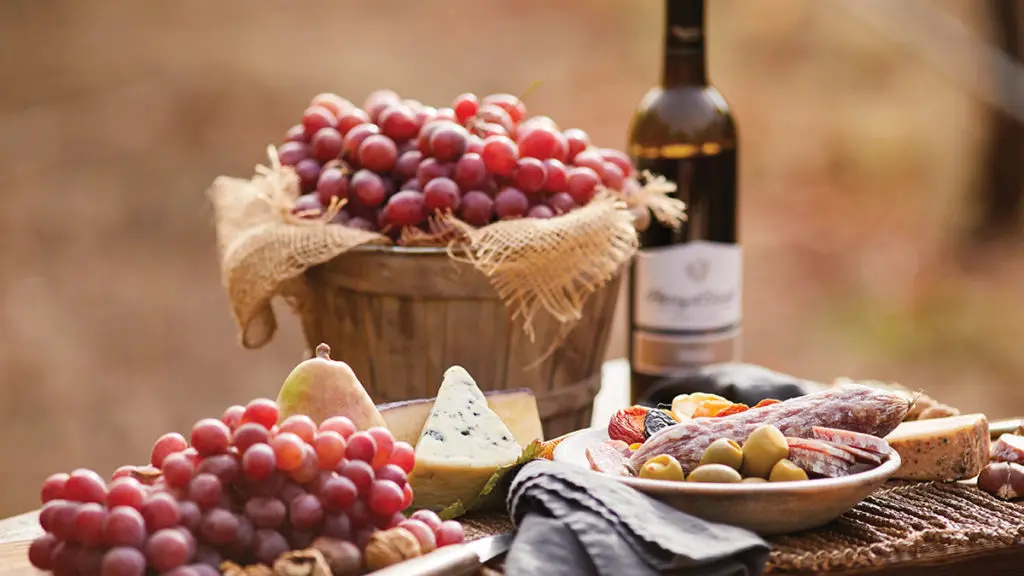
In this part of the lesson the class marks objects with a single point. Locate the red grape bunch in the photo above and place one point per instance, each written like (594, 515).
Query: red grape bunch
(396, 162)
(240, 488)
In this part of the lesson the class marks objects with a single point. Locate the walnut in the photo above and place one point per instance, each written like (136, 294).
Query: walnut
(228, 568)
(301, 563)
(390, 547)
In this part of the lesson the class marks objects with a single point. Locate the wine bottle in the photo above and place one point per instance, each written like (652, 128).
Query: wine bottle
(686, 283)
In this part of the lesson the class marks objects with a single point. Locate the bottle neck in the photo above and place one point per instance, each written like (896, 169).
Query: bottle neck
(685, 62)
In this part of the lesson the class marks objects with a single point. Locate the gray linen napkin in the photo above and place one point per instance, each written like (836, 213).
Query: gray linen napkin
(572, 521)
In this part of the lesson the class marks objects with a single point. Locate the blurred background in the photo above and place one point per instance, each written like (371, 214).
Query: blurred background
(878, 191)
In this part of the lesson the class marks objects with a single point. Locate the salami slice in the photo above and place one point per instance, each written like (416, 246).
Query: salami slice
(853, 407)
(610, 457)
(823, 447)
(861, 455)
(853, 439)
(1008, 448)
(819, 463)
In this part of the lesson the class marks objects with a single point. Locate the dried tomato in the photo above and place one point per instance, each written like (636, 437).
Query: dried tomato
(628, 425)
(734, 409)
(767, 402)
(710, 408)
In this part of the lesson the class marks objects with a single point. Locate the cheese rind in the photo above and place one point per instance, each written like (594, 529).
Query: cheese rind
(463, 442)
(516, 408)
(944, 449)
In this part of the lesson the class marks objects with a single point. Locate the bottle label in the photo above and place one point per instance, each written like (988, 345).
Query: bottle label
(686, 288)
(659, 354)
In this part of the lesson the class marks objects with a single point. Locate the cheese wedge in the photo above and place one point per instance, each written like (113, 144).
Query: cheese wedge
(463, 442)
(516, 408)
(953, 448)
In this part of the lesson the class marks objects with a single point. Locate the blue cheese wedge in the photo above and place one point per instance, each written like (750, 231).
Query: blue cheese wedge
(463, 442)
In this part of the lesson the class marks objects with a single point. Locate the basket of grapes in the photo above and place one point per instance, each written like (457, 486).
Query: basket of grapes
(410, 238)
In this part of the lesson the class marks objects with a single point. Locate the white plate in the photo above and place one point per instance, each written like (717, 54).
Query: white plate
(770, 508)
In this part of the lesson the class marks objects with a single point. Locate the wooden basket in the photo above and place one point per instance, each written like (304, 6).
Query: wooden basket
(401, 316)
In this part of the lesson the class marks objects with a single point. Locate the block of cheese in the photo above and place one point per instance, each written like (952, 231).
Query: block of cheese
(463, 442)
(953, 448)
(516, 408)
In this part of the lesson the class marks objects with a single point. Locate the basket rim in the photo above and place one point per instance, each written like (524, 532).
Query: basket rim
(405, 250)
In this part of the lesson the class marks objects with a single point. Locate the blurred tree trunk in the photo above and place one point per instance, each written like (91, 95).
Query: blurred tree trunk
(1002, 191)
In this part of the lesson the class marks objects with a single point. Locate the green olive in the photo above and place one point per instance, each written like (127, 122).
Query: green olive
(714, 473)
(723, 451)
(754, 480)
(786, 471)
(662, 467)
(765, 446)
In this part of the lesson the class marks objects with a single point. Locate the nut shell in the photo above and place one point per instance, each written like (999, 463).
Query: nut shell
(1004, 480)
(391, 546)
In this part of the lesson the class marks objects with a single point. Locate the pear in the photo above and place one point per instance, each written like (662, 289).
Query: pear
(321, 388)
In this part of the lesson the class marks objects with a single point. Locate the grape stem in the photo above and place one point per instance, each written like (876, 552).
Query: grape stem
(536, 84)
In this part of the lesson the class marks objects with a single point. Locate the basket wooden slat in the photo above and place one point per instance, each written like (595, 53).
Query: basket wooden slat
(400, 317)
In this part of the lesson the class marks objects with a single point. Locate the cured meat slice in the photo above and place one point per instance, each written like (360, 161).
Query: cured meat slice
(819, 463)
(865, 456)
(823, 447)
(610, 457)
(1009, 448)
(852, 439)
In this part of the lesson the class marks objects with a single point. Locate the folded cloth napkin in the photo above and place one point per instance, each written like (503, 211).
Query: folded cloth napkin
(573, 521)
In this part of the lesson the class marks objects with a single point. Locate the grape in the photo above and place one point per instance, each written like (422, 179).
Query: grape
(89, 521)
(465, 107)
(288, 449)
(47, 512)
(591, 159)
(326, 144)
(232, 417)
(449, 532)
(122, 471)
(385, 497)
(190, 514)
(123, 561)
(556, 180)
(308, 171)
(405, 208)
(541, 142)
(167, 549)
(368, 188)
(431, 168)
(361, 224)
(309, 469)
(613, 176)
(316, 118)
(161, 511)
(259, 461)
(476, 208)
(124, 527)
(359, 514)
(407, 164)
(41, 551)
(205, 568)
(249, 434)
(407, 496)
(511, 203)
(510, 104)
(448, 142)
(470, 173)
(205, 491)
(268, 545)
(578, 141)
(423, 533)
(218, 527)
(305, 512)
(85, 486)
(529, 175)
(361, 446)
(440, 194)
(350, 119)
(630, 187)
(398, 123)
(540, 211)
(210, 557)
(291, 153)
(243, 536)
(339, 492)
(296, 133)
(210, 436)
(223, 466)
(340, 424)
(500, 155)
(424, 115)
(393, 473)
(618, 158)
(165, 445)
(180, 571)
(64, 561)
(265, 512)
(378, 153)
(412, 104)
(307, 204)
(127, 491)
(403, 455)
(341, 217)
(446, 114)
(360, 473)
(378, 100)
(330, 449)
(300, 425)
(355, 138)
(53, 487)
(336, 104)
(494, 114)
(582, 181)
(475, 144)
(261, 411)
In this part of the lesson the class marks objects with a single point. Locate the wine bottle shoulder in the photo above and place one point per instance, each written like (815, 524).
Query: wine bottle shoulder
(694, 115)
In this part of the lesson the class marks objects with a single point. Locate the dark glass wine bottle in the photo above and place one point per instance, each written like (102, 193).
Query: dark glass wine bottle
(686, 284)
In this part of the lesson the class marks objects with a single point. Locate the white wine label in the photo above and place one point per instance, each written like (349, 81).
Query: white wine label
(689, 287)
(665, 355)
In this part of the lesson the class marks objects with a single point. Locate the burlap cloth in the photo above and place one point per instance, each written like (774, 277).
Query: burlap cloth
(903, 522)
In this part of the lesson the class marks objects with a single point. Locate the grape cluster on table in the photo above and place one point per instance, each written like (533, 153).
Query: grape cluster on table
(395, 162)
(242, 488)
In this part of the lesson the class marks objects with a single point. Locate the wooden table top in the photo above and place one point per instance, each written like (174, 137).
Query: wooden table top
(17, 532)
